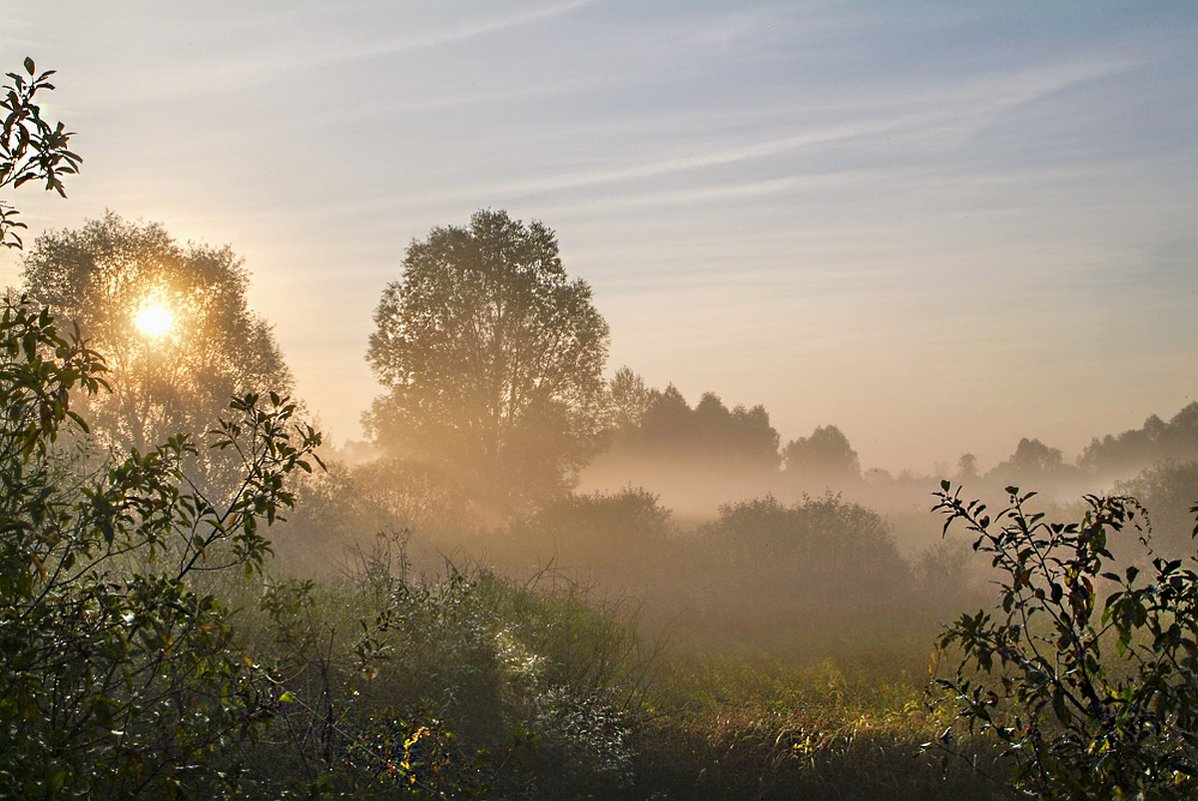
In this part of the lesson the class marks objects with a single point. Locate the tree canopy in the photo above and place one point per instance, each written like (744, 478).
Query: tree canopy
(1032, 460)
(825, 456)
(492, 358)
(180, 378)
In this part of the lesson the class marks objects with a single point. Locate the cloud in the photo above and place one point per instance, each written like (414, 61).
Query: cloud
(683, 164)
(465, 32)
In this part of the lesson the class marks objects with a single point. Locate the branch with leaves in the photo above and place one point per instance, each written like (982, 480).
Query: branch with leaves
(1088, 700)
(31, 148)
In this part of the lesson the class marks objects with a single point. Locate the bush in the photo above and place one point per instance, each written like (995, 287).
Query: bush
(1090, 699)
(120, 677)
(803, 567)
(616, 535)
(462, 685)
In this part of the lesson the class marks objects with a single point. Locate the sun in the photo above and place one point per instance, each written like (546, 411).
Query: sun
(154, 319)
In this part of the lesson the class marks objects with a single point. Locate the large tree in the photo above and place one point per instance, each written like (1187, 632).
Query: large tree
(195, 344)
(492, 359)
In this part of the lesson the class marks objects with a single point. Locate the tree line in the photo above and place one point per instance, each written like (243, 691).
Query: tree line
(491, 358)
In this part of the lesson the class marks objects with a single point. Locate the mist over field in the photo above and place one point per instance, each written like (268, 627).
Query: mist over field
(599, 400)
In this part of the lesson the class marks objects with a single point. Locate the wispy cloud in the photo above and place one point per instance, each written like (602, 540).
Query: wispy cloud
(462, 33)
(923, 122)
(698, 161)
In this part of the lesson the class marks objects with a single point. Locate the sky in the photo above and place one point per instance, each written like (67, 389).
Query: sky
(938, 226)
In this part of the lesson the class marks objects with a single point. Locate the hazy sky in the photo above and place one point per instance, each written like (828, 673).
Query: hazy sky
(939, 226)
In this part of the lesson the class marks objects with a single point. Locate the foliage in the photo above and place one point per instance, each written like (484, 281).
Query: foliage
(120, 677)
(31, 148)
(98, 277)
(462, 685)
(1092, 699)
(967, 467)
(708, 452)
(491, 357)
(740, 438)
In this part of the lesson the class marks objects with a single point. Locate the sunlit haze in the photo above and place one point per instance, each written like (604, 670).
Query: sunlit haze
(153, 320)
(939, 227)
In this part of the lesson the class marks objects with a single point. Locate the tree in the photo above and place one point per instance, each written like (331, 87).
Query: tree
(825, 456)
(1155, 441)
(967, 467)
(1167, 490)
(668, 427)
(1090, 698)
(1032, 460)
(101, 276)
(31, 149)
(628, 399)
(709, 437)
(492, 359)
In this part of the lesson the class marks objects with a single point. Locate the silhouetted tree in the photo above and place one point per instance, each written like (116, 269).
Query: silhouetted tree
(628, 399)
(100, 275)
(967, 467)
(1032, 461)
(709, 436)
(492, 358)
(667, 426)
(823, 457)
(739, 436)
(1136, 449)
(691, 456)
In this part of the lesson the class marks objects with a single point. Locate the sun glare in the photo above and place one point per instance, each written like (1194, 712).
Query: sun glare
(153, 319)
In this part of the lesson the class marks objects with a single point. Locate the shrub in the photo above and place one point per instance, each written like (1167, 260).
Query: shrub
(1089, 699)
(821, 559)
(119, 677)
(457, 685)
